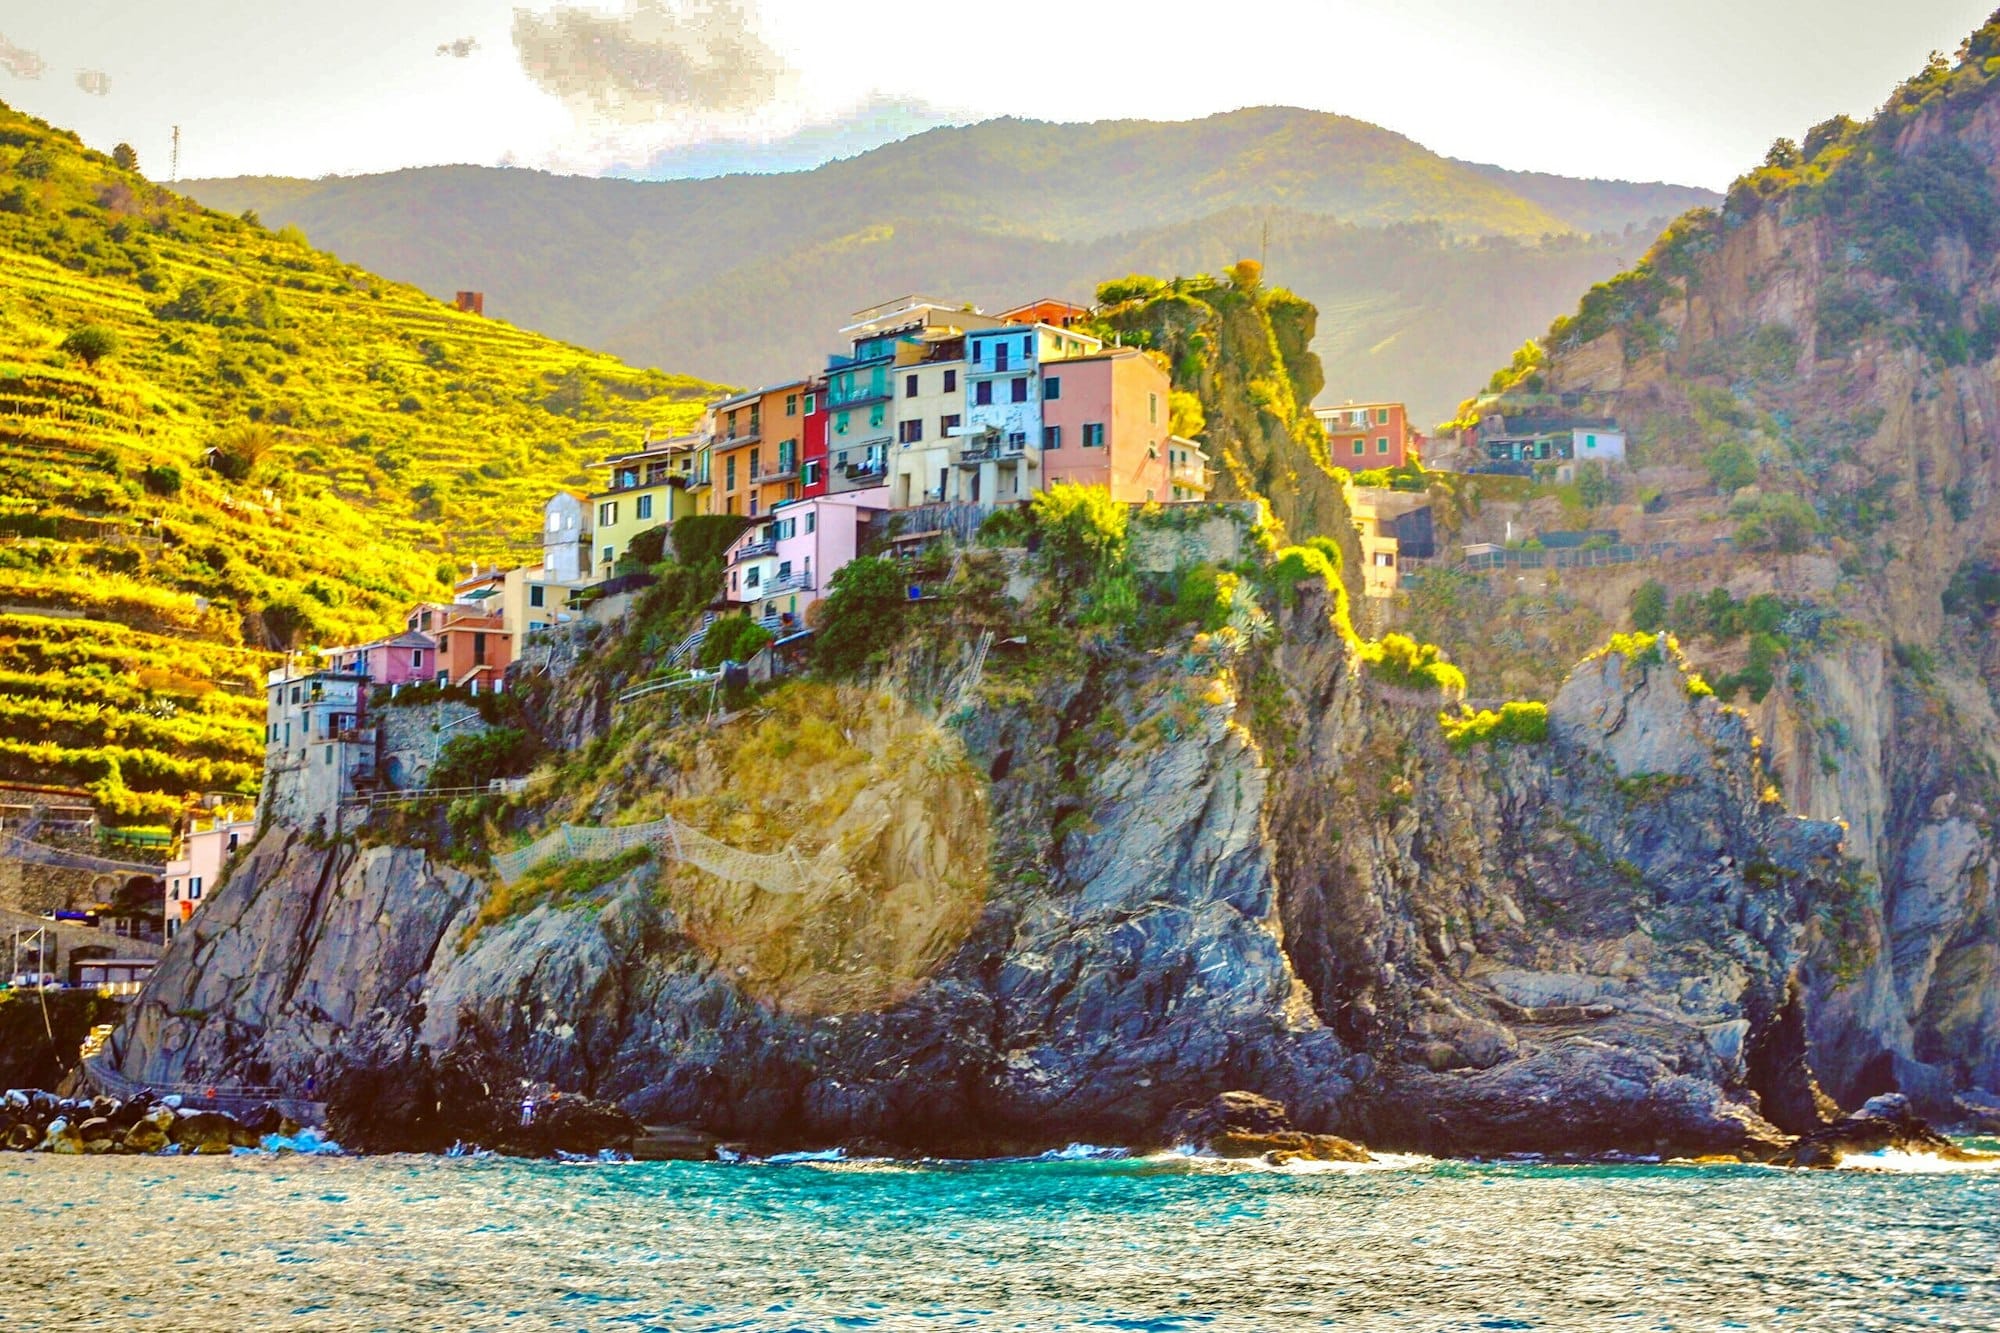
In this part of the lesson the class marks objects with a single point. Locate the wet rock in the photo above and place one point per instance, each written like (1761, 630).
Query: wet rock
(147, 1136)
(204, 1132)
(62, 1137)
(99, 1135)
(21, 1136)
(1883, 1124)
(1246, 1124)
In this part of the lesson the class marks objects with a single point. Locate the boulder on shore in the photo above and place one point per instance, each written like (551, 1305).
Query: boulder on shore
(1883, 1124)
(1245, 1124)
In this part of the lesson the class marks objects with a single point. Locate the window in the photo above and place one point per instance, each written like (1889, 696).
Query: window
(756, 417)
(1381, 444)
(537, 595)
(610, 554)
(909, 386)
(295, 694)
(1590, 441)
(750, 579)
(1052, 437)
(999, 356)
(1019, 389)
(951, 381)
(1017, 439)
(1093, 435)
(840, 424)
(791, 404)
(1153, 408)
(729, 473)
(810, 473)
(479, 650)
(644, 509)
(607, 514)
(417, 656)
(982, 393)
(812, 403)
(1028, 347)
(875, 415)
(1381, 416)
(1360, 448)
(946, 425)
(194, 885)
(1052, 389)
(812, 520)
(910, 432)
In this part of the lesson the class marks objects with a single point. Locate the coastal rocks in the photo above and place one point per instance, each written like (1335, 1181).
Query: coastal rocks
(470, 1096)
(1245, 1125)
(35, 1121)
(1884, 1124)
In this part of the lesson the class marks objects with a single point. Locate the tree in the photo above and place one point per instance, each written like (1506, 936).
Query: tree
(1783, 523)
(1784, 154)
(1649, 606)
(90, 344)
(1245, 275)
(1594, 485)
(125, 157)
(1185, 417)
(240, 448)
(1083, 533)
(733, 639)
(1731, 465)
(862, 616)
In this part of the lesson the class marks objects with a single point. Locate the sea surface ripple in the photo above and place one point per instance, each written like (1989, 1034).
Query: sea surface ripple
(401, 1243)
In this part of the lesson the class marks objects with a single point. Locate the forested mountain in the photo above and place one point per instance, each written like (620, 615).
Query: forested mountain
(744, 277)
(217, 442)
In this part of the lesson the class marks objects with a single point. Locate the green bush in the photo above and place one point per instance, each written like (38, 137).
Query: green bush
(1517, 723)
(1318, 560)
(162, 479)
(1731, 466)
(862, 616)
(1399, 660)
(1649, 606)
(1785, 523)
(702, 539)
(648, 548)
(475, 759)
(91, 344)
(733, 639)
(1006, 527)
(1083, 531)
(1205, 598)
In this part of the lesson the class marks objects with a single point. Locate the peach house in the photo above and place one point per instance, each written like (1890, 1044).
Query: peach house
(1362, 437)
(1105, 422)
(197, 869)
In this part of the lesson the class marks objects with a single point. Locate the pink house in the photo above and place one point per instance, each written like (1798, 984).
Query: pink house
(204, 853)
(410, 658)
(1106, 422)
(782, 565)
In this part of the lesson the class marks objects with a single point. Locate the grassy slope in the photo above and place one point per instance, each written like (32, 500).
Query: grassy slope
(989, 212)
(410, 440)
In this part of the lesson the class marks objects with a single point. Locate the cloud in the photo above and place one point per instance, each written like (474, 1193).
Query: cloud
(460, 48)
(94, 81)
(657, 60)
(20, 62)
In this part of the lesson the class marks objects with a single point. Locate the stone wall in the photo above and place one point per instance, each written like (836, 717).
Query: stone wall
(412, 736)
(1215, 534)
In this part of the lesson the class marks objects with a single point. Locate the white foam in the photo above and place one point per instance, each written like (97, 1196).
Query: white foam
(1912, 1163)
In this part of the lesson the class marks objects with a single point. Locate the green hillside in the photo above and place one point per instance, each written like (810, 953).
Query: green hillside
(660, 272)
(217, 442)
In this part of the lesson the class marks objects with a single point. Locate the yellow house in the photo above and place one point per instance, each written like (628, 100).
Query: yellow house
(1382, 520)
(648, 487)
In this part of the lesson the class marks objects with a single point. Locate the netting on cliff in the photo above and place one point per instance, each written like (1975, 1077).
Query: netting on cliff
(779, 872)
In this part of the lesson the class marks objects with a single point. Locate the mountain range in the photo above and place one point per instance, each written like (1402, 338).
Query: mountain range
(1427, 269)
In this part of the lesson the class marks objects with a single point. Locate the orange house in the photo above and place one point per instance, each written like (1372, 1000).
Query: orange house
(1362, 437)
(473, 645)
(756, 452)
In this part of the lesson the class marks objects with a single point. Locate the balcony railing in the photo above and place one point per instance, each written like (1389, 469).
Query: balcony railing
(862, 397)
(1000, 452)
(1189, 474)
(782, 472)
(753, 551)
(874, 467)
(787, 583)
(738, 441)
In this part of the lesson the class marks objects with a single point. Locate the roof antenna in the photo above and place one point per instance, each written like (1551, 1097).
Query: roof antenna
(174, 171)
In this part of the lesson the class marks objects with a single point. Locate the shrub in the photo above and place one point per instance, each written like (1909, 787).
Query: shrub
(1731, 466)
(1083, 533)
(1785, 523)
(240, 448)
(125, 157)
(1205, 598)
(475, 759)
(1006, 527)
(703, 539)
(1517, 723)
(1640, 650)
(91, 344)
(1649, 606)
(1318, 560)
(162, 479)
(733, 639)
(647, 548)
(862, 616)
(1399, 660)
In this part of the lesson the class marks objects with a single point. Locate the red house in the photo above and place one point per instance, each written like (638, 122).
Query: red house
(1362, 437)
(812, 442)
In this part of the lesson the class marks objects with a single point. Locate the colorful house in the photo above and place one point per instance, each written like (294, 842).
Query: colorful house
(861, 388)
(757, 448)
(1105, 422)
(1000, 452)
(813, 465)
(409, 658)
(1393, 526)
(647, 487)
(1362, 437)
(1188, 473)
(782, 565)
(566, 533)
(319, 748)
(929, 381)
(198, 863)
(473, 645)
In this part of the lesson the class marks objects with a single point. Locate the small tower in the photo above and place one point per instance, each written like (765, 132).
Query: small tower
(472, 303)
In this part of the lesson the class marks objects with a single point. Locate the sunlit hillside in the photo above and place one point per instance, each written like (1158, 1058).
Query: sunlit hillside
(217, 442)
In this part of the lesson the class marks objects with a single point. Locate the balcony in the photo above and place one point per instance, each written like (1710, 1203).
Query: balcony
(753, 551)
(726, 442)
(785, 583)
(1189, 474)
(862, 397)
(874, 467)
(836, 362)
(997, 452)
(782, 472)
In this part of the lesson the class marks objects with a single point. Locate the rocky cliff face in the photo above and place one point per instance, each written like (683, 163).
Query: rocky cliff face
(1840, 318)
(1225, 864)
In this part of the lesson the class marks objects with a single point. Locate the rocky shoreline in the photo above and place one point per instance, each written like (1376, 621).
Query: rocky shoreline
(32, 1120)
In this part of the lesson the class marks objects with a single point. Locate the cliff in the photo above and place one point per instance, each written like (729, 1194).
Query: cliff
(1811, 371)
(1057, 905)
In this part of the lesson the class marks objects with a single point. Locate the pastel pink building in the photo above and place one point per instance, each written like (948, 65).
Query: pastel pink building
(1106, 422)
(410, 658)
(782, 564)
(204, 854)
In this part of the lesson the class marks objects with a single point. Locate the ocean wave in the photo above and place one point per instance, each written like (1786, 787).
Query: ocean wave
(1914, 1164)
(1198, 1161)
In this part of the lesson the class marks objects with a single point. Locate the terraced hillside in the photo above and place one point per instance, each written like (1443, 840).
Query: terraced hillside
(217, 443)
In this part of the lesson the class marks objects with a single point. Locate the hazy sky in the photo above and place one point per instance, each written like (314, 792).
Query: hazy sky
(1687, 90)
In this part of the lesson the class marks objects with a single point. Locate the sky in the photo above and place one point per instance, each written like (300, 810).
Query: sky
(1692, 91)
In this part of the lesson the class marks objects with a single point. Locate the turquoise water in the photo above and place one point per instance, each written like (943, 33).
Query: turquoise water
(268, 1243)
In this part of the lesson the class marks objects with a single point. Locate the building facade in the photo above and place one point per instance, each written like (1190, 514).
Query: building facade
(646, 488)
(196, 870)
(1362, 437)
(1105, 422)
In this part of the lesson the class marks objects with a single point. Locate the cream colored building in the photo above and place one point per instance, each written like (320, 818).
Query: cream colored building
(1375, 512)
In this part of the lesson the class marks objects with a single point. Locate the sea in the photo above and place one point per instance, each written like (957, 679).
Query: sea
(1078, 1240)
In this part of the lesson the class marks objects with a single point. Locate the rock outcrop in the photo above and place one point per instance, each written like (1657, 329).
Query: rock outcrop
(1883, 1124)
(1235, 867)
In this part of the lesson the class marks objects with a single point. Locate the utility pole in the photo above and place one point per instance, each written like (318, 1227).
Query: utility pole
(1264, 251)
(174, 171)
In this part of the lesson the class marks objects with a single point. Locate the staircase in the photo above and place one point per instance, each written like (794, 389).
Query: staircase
(693, 641)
